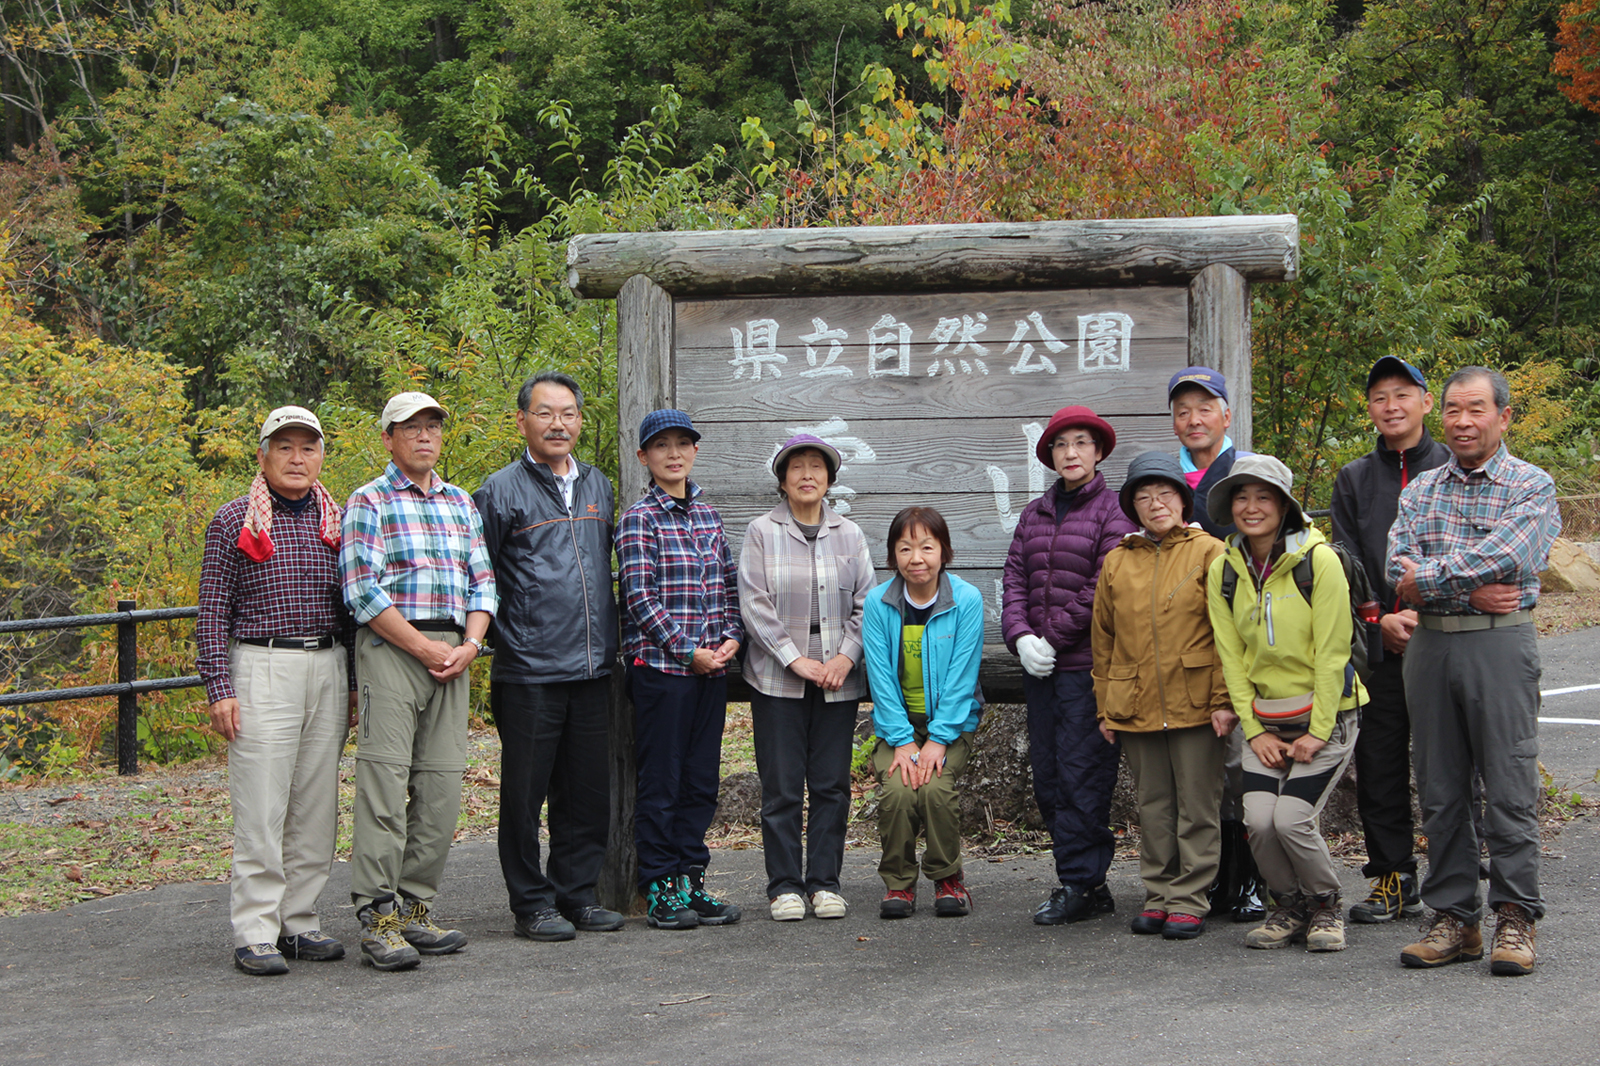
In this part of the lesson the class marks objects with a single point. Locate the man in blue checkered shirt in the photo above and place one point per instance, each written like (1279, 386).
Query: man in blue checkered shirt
(417, 578)
(1466, 550)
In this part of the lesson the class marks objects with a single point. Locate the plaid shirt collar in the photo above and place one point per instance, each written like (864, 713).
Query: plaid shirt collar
(399, 482)
(668, 502)
(1491, 470)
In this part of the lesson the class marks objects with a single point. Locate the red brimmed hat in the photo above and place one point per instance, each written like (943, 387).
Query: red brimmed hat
(1076, 418)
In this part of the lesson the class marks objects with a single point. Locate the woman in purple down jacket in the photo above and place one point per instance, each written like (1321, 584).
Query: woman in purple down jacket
(1049, 582)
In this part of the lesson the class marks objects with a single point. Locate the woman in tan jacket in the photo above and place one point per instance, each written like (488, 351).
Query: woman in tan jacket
(1158, 685)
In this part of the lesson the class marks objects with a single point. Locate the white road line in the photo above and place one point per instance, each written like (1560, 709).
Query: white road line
(1564, 691)
(1569, 721)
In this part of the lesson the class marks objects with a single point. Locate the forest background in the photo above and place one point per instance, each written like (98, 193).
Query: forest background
(208, 209)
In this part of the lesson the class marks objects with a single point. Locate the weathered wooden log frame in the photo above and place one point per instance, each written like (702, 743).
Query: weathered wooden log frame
(990, 255)
(1217, 258)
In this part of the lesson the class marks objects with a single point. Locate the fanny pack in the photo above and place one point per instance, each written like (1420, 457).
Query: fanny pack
(1287, 717)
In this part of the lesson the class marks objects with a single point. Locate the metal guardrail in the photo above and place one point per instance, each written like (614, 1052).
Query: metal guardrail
(127, 619)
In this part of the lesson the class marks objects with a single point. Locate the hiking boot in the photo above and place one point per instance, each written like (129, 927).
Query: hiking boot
(383, 946)
(593, 918)
(260, 960)
(787, 907)
(1182, 927)
(1068, 903)
(898, 903)
(951, 898)
(666, 907)
(1447, 940)
(545, 924)
(825, 904)
(1148, 922)
(313, 945)
(1512, 955)
(1393, 895)
(710, 909)
(422, 934)
(1251, 905)
(1284, 926)
(1325, 931)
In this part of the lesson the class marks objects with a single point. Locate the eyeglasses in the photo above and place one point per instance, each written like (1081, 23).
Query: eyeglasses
(569, 417)
(1080, 443)
(1146, 498)
(412, 430)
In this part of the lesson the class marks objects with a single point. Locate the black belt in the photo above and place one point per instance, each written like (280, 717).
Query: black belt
(433, 625)
(816, 629)
(291, 643)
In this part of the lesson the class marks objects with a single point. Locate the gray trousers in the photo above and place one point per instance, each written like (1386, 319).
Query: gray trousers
(1475, 708)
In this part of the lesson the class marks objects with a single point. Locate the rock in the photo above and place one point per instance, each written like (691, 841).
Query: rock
(738, 800)
(1571, 569)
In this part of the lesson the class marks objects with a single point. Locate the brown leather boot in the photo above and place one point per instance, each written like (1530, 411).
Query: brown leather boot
(1447, 940)
(1512, 955)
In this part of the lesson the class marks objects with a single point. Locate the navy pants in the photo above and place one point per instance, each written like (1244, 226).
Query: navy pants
(554, 747)
(678, 726)
(1074, 771)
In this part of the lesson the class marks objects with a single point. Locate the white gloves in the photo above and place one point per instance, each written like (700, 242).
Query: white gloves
(1038, 657)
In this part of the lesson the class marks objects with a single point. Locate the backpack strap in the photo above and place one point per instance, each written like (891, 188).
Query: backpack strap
(1302, 575)
(1230, 584)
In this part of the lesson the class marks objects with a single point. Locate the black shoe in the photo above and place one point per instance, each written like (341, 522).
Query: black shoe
(1252, 905)
(313, 945)
(710, 909)
(260, 960)
(1393, 895)
(1101, 896)
(545, 924)
(666, 907)
(1066, 904)
(593, 918)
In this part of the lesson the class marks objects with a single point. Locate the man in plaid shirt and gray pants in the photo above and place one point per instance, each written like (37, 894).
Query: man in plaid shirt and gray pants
(1466, 549)
(417, 578)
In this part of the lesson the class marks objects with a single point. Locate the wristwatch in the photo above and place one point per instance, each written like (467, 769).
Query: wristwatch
(476, 643)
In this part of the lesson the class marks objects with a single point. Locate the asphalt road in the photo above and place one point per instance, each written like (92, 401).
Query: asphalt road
(1571, 753)
(147, 978)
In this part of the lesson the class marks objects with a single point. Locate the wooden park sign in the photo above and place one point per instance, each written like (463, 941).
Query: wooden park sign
(931, 357)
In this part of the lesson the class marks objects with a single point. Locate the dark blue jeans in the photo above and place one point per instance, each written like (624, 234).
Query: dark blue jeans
(678, 726)
(1074, 771)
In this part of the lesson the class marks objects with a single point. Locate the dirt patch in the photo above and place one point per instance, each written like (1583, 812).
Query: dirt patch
(1565, 612)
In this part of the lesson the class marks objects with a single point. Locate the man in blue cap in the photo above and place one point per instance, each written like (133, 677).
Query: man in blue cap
(1198, 398)
(1366, 498)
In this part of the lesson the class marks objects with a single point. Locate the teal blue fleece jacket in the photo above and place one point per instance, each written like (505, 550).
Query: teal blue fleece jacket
(952, 648)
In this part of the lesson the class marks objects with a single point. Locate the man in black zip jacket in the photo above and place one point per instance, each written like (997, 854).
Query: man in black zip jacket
(1366, 498)
(548, 520)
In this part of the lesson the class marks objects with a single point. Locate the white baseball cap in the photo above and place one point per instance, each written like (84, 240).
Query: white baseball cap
(406, 404)
(285, 417)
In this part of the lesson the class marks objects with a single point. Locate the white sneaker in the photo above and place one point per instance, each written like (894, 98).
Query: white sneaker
(788, 907)
(827, 904)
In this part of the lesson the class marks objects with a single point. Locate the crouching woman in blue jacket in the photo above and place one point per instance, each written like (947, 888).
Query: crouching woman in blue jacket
(923, 639)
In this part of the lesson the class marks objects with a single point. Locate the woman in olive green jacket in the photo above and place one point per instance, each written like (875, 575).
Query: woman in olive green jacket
(1159, 685)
